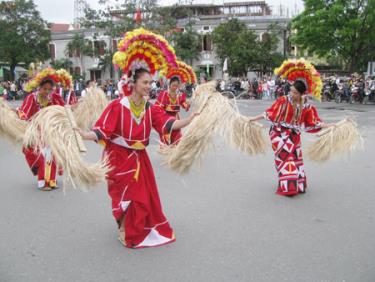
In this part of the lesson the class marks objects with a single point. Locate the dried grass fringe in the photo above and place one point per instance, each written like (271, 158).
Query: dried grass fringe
(90, 108)
(11, 126)
(340, 139)
(217, 116)
(51, 126)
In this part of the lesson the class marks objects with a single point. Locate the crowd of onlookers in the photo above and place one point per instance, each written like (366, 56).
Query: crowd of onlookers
(273, 87)
(256, 88)
(12, 90)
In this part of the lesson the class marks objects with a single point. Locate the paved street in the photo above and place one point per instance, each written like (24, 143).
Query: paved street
(229, 224)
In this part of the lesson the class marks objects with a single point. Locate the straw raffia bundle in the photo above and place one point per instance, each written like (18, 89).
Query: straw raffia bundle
(217, 115)
(239, 132)
(339, 139)
(51, 126)
(11, 126)
(197, 139)
(90, 108)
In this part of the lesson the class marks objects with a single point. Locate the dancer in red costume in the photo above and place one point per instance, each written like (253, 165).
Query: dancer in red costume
(41, 163)
(124, 128)
(171, 101)
(289, 115)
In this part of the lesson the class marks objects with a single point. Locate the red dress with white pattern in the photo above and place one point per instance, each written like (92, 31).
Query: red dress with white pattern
(131, 182)
(172, 107)
(42, 163)
(288, 121)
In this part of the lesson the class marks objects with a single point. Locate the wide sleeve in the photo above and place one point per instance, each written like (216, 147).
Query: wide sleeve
(274, 112)
(72, 98)
(106, 125)
(161, 121)
(184, 103)
(311, 120)
(57, 99)
(160, 101)
(28, 108)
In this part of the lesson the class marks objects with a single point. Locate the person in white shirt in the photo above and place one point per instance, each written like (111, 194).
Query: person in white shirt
(222, 85)
(84, 91)
(13, 91)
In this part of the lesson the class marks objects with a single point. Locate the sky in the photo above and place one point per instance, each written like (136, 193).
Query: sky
(62, 11)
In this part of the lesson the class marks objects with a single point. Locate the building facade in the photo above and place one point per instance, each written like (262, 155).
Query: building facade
(256, 15)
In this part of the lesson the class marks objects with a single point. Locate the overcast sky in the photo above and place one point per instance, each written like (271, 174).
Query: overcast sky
(62, 11)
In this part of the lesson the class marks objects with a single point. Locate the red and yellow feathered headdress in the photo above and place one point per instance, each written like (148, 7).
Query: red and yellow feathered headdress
(184, 72)
(304, 70)
(143, 48)
(47, 73)
(65, 79)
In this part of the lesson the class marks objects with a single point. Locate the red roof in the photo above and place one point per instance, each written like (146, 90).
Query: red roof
(57, 27)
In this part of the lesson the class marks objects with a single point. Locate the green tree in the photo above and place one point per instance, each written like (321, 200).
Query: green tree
(243, 49)
(105, 62)
(268, 57)
(24, 35)
(186, 45)
(79, 46)
(64, 63)
(341, 29)
(114, 20)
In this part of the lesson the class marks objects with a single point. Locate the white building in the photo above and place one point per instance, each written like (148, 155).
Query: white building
(255, 14)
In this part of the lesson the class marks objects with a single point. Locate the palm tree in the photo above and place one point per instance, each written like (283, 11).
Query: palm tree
(64, 63)
(105, 61)
(79, 46)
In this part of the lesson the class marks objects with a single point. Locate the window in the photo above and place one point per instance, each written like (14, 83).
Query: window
(206, 28)
(77, 70)
(265, 36)
(52, 51)
(99, 47)
(95, 74)
(114, 45)
(207, 43)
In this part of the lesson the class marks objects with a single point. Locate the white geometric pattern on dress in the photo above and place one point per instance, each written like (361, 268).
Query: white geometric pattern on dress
(154, 239)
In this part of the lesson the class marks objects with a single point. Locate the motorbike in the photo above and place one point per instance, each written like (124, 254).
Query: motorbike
(327, 93)
(369, 96)
(355, 95)
(342, 93)
(229, 91)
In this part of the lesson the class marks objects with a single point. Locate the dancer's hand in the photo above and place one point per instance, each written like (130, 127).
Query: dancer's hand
(328, 125)
(178, 124)
(252, 119)
(79, 131)
(193, 115)
(85, 135)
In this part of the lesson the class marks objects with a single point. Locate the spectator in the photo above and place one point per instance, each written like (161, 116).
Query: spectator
(88, 85)
(2, 89)
(222, 85)
(13, 91)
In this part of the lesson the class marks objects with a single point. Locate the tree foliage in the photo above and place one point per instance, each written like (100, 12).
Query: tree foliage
(64, 63)
(243, 48)
(187, 44)
(24, 35)
(343, 29)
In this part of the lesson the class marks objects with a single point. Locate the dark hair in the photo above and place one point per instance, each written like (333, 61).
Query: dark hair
(173, 79)
(300, 86)
(87, 83)
(45, 81)
(138, 73)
